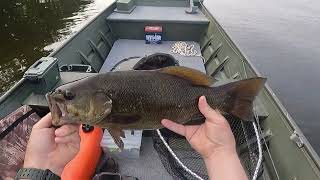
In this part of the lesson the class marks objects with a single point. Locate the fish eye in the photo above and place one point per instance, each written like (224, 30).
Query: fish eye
(68, 95)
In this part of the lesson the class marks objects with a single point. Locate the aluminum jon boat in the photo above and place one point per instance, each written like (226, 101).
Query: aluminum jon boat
(129, 30)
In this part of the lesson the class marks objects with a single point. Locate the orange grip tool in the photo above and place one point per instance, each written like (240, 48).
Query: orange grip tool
(83, 166)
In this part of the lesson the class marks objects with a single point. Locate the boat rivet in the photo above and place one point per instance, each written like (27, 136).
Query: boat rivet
(296, 138)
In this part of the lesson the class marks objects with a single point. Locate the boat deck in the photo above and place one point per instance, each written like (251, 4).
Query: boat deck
(148, 165)
(159, 14)
(126, 48)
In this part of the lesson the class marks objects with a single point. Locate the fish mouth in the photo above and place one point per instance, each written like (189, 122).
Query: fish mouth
(61, 110)
(58, 110)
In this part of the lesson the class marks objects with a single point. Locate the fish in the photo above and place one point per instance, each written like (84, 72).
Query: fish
(140, 99)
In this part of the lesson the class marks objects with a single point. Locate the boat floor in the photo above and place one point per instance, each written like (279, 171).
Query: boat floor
(148, 165)
(126, 48)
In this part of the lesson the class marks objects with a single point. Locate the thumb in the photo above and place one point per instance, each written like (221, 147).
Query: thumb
(209, 113)
(45, 122)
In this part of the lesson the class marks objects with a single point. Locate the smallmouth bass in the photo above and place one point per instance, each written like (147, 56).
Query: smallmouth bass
(141, 99)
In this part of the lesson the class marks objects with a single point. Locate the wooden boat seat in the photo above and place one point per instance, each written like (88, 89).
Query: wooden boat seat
(126, 48)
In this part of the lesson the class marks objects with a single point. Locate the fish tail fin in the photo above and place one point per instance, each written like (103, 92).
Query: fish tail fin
(241, 96)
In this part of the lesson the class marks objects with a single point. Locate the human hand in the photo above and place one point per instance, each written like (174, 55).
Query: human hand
(210, 138)
(214, 141)
(50, 148)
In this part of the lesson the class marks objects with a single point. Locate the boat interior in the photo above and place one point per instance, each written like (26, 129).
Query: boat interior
(115, 40)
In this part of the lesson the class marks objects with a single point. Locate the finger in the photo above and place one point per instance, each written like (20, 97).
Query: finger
(66, 130)
(210, 114)
(177, 128)
(74, 138)
(191, 130)
(45, 122)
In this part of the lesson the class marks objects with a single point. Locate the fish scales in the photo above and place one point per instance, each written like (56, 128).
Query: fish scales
(141, 99)
(153, 96)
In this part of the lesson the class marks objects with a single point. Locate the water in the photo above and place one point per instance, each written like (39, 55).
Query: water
(30, 29)
(281, 38)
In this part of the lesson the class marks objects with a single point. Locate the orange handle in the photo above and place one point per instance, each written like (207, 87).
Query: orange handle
(83, 166)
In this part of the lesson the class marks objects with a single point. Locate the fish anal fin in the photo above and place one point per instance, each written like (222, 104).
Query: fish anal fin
(196, 77)
(116, 134)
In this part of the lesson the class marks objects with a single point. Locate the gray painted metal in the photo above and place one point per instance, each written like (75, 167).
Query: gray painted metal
(147, 166)
(173, 19)
(124, 48)
(171, 31)
(125, 6)
(159, 14)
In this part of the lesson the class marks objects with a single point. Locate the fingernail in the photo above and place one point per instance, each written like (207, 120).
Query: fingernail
(164, 120)
(204, 99)
(200, 99)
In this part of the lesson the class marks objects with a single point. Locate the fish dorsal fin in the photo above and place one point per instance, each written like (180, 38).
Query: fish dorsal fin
(195, 76)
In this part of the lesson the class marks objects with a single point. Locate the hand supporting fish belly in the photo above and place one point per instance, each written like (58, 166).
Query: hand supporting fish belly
(141, 99)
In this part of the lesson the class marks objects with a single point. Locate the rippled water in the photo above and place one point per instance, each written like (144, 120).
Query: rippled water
(281, 38)
(30, 29)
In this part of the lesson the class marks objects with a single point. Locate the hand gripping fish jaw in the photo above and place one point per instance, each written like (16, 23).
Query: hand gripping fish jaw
(68, 106)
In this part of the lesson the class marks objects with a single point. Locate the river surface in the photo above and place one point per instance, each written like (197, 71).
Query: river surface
(280, 37)
(30, 29)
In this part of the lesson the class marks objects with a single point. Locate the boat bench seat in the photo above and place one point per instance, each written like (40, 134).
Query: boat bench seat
(126, 48)
(159, 14)
(177, 25)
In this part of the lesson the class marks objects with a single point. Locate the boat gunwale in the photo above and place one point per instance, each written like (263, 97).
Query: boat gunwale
(12, 89)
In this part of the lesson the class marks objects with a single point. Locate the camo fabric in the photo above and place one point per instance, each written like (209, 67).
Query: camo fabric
(13, 145)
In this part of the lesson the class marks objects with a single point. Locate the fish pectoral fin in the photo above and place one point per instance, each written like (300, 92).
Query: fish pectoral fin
(98, 101)
(194, 76)
(116, 134)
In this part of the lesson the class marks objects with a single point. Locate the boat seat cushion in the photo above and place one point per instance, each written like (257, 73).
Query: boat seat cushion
(125, 48)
